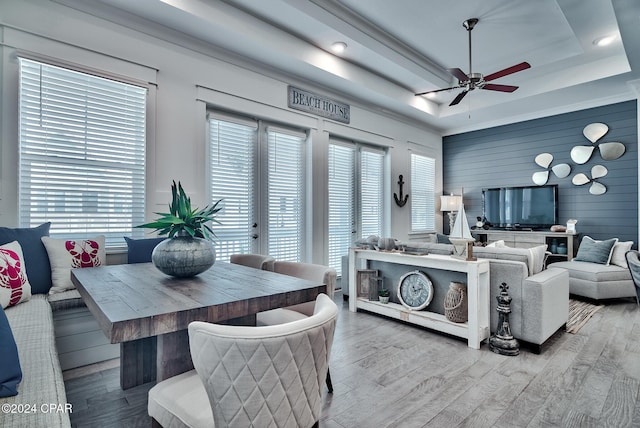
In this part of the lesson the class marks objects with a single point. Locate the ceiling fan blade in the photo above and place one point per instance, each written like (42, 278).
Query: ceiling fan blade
(438, 90)
(501, 88)
(458, 74)
(459, 98)
(507, 71)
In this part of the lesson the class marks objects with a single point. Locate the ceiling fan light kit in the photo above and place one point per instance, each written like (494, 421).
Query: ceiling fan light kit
(470, 81)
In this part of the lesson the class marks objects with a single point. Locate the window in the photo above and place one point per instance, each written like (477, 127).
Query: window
(356, 196)
(253, 165)
(82, 153)
(423, 176)
(341, 202)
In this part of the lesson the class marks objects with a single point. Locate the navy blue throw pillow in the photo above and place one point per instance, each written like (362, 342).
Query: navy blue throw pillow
(139, 250)
(594, 251)
(36, 258)
(10, 372)
(442, 239)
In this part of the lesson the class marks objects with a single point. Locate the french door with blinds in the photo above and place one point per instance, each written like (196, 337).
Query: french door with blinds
(258, 171)
(356, 187)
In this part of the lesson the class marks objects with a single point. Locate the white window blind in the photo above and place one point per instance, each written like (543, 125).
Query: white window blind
(231, 162)
(356, 196)
(341, 202)
(286, 192)
(82, 153)
(258, 171)
(371, 192)
(423, 177)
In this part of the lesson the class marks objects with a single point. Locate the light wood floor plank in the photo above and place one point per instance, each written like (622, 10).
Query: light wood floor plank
(620, 403)
(562, 398)
(527, 404)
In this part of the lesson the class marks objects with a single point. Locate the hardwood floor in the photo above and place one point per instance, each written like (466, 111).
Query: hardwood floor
(388, 374)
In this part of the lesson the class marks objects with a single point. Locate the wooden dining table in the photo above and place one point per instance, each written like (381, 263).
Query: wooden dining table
(148, 312)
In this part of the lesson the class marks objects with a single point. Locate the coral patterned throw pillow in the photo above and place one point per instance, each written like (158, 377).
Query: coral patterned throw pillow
(14, 284)
(66, 254)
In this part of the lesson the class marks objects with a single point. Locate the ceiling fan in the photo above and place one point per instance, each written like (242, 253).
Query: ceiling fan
(473, 80)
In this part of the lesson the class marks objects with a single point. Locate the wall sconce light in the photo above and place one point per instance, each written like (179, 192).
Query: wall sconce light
(450, 204)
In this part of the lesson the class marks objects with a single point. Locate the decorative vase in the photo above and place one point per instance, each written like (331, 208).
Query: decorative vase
(455, 303)
(183, 256)
(383, 299)
(562, 248)
(554, 246)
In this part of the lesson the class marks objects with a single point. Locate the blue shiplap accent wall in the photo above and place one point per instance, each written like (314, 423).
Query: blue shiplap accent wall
(504, 156)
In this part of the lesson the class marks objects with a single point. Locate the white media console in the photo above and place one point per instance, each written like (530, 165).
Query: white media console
(528, 239)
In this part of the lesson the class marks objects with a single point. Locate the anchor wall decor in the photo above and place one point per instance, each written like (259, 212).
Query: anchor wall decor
(400, 200)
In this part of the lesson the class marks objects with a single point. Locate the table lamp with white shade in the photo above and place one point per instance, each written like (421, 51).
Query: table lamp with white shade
(450, 204)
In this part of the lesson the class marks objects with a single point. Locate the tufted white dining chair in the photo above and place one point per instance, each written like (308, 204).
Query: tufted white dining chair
(250, 376)
(257, 261)
(311, 272)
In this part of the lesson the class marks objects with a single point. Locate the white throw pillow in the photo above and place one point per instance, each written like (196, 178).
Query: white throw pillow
(65, 254)
(536, 259)
(497, 244)
(619, 250)
(14, 284)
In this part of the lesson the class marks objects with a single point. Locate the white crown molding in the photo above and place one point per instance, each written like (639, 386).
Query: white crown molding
(635, 86)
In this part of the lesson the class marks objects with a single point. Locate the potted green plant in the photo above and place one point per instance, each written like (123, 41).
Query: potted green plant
(188, 250)
(383, 295)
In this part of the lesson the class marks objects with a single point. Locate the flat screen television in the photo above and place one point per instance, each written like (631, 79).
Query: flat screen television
(527, 207)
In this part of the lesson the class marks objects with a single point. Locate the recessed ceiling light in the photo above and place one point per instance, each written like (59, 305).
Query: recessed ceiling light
(604, 41)
(338, 47)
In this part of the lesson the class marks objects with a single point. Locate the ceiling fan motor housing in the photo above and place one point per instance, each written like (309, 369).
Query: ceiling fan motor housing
(475, 77)
(470, 23)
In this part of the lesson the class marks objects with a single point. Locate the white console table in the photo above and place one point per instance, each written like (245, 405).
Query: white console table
(475, 330)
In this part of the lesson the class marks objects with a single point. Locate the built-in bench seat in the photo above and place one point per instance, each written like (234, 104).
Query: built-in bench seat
(42, 384)
(53, 332)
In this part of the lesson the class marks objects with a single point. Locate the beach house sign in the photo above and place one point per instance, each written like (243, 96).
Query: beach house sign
(299, 99)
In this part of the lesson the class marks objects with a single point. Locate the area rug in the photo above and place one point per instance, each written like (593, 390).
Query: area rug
(579, 314)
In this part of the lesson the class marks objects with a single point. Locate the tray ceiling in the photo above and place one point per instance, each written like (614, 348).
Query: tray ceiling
(398, 48)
